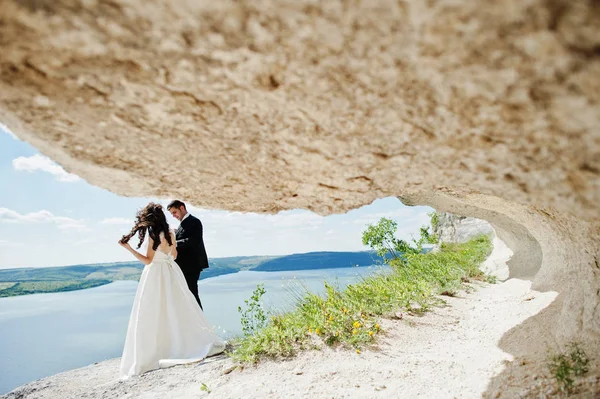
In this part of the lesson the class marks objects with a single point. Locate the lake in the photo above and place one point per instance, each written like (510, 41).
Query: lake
(45, 334)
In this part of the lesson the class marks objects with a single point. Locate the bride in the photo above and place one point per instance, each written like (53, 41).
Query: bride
(166, 327)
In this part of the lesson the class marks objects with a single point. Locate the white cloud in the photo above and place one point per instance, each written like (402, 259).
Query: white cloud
(85, 241)
(282, 220)
(296, 219)
(39, 162)
(117, 221)
(43, 216)
(397, 214)
(5, 243)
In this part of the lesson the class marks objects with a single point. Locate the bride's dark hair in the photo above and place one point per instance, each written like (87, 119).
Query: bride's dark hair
(150, 218)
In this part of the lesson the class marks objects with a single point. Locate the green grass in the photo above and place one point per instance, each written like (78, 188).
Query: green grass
(205, 388)
(4, 286)
(568, 365)
(351, 317)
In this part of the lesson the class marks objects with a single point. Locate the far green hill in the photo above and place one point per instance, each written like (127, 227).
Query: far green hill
(320, 260)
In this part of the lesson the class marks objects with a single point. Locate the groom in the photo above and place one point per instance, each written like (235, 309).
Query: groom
(191, 254)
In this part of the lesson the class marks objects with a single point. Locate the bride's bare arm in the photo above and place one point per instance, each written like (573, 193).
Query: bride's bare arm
(174, 248)
(146, 260)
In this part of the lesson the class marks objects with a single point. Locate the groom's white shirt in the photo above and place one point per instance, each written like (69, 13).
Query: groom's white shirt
(181, 221)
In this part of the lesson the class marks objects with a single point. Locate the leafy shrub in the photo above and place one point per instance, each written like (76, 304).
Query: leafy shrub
(565, 366)
(253, 317)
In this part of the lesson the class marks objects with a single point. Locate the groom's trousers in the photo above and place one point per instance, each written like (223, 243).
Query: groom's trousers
(192, 283)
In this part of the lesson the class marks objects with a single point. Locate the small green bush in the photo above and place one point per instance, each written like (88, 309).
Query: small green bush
(253, 316)
(565, 366)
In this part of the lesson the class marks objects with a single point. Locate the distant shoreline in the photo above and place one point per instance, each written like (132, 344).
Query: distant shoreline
(29, 281)
(48, 287)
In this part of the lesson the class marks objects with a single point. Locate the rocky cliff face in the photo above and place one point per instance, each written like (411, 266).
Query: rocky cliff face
(456, 228)
(488, 109)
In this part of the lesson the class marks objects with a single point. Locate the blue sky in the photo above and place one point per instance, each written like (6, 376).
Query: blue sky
(51, 218)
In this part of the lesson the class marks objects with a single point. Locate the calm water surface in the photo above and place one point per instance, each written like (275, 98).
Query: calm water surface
(45, 334)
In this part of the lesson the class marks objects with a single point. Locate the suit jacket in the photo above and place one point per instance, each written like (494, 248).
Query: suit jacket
(191, 254)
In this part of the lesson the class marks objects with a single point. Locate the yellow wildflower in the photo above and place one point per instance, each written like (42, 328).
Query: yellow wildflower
(377, 326)
(356, 324)
(330, 318)
(358, 351)
(354, 331)
(337, 334)
(318, 331)
(370, 333)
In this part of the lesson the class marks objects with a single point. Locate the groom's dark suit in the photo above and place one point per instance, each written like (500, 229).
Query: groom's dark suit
(191, 254)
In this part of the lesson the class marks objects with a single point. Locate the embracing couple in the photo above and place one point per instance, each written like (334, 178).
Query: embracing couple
(167, 324)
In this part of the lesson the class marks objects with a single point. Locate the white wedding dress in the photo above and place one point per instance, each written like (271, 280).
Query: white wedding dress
(166, 327)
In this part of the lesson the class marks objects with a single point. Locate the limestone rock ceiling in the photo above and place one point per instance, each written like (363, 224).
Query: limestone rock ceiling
(274, 104)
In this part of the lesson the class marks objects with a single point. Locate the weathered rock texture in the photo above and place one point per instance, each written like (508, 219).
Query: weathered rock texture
(320, 105)
(270, 105)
